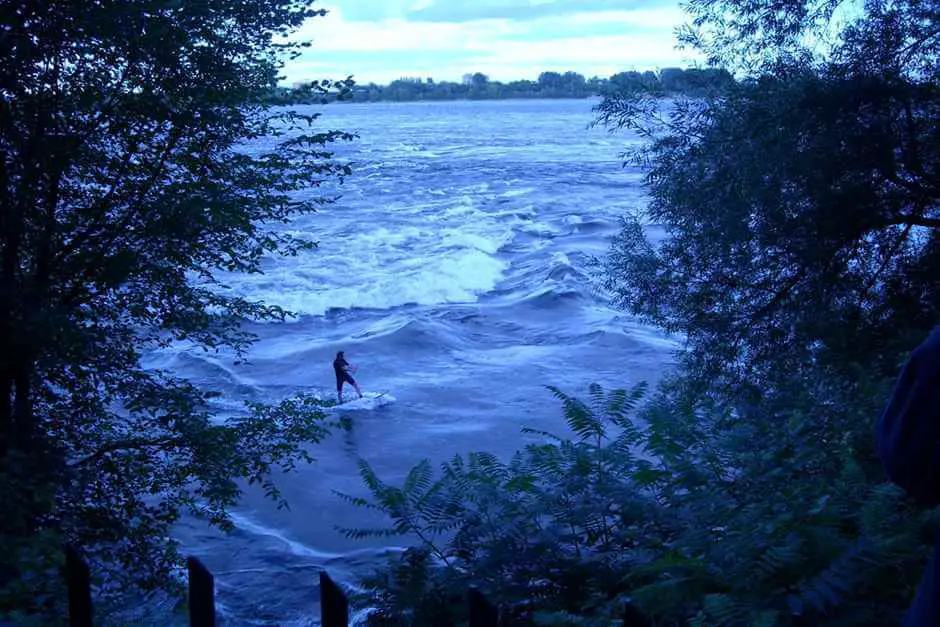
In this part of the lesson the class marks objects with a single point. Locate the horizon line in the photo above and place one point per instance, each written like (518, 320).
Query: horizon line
(426, 76)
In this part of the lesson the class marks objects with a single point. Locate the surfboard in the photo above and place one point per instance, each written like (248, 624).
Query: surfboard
(369, 400)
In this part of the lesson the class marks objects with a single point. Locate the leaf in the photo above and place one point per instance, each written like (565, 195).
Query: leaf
(579, 417)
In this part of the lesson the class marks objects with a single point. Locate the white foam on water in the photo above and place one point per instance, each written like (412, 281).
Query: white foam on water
(369, 401)
(507, 356)
(520, 191)
(379, 328)
(559, 258)
(454, 427)
(539, 229)
(424, 254)
(297, 548)
(360, 617)
(655, 338)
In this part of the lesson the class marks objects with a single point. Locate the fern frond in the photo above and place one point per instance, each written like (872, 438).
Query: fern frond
(557, 393)
(623, 446)
(766, 618)
(418, 481)
(661, 595)
(556, 619)
(357, 500)
(579, 416)
(596, 392)
(637, 392)
(776, 559)
(539, 432)
(432, 501)
(669, 564)
(521, 483)
(487, 465)
(372, 481)
(720, 610)
(361, 534)
(880, 512)
(616, 407)
(454, 473)
(825, 591)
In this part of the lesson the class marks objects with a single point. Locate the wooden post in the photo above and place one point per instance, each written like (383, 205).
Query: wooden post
(201, 594)
(334, 606)
(482, 612)
(78, 581)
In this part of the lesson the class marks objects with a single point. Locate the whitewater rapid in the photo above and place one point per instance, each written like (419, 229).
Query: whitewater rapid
(459, 271)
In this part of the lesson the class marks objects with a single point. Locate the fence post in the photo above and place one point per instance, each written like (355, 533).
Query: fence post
(334, 606)
(201, 594)
(482, 612)
(78, 580)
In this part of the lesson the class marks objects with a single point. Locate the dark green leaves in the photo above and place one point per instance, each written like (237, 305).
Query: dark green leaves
(790, 234)
(131, 176)
(697, 513)
(523, 526)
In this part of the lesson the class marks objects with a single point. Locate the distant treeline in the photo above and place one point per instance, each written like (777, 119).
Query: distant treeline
(478, 86)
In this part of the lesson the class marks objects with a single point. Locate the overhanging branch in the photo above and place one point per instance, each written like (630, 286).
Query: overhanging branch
(129, 445)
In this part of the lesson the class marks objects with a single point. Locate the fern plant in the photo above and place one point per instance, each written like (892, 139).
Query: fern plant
(691, 511)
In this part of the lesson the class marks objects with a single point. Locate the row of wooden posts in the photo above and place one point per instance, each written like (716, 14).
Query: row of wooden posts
(334, 606)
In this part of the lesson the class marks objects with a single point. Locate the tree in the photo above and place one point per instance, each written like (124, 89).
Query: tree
(126, 189)
(628, 82)
(801, 205)
(478, 79)
(672, 79)
(550, 80)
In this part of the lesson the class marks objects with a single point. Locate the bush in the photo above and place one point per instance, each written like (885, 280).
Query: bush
(691, 511)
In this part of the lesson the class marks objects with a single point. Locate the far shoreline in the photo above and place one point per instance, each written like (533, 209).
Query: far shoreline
(437, 100)
(669, 82)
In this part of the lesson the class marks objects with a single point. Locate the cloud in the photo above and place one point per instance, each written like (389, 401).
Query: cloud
(593, 42)
(337, 33)
(462, 11)
(657, 22)
(374, 10)
(465, 11)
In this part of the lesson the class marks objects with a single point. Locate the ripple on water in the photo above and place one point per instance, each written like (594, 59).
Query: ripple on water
(455, 272)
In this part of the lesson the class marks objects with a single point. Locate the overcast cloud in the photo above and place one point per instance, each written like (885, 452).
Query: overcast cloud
(381, 40)
(454, 11)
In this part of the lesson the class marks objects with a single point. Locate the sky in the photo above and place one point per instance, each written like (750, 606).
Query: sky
(383, 40)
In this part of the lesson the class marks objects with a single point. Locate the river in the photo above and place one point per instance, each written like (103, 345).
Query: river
(456, 272)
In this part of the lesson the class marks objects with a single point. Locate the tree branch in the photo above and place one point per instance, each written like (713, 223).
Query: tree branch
(781, 294)
(129, 445)
(912, 220)
(119, 229)
(884, 262)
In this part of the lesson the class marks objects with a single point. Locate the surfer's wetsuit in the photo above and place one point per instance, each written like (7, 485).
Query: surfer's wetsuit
(340, 367)
(908, 443)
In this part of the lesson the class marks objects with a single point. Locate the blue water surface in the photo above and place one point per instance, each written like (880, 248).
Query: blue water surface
(456, 272)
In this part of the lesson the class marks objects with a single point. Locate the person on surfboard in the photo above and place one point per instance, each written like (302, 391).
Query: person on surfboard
(342, 368)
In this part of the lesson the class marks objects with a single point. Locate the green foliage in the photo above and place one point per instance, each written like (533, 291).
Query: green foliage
(799, 206)
(477, 86)
(691, 511)
(865, 37)
(126, 194)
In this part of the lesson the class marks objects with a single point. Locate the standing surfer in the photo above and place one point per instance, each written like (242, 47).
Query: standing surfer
(342, 369)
